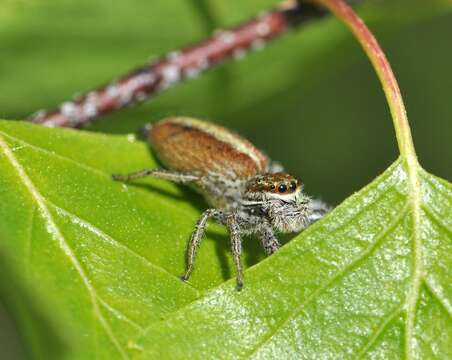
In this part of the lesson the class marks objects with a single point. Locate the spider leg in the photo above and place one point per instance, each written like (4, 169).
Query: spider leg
(177, 177)
(236, 245)
(318, 210)
(275, 167)
(268, 239)
(196, 238)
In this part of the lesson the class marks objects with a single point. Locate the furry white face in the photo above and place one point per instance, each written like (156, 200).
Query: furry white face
(280, 196)
(288, 213)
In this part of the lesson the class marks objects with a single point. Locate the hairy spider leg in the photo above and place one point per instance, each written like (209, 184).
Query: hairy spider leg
(196, 238)
(268, 239)
(229, 220)
(236, 246)
(174, 176)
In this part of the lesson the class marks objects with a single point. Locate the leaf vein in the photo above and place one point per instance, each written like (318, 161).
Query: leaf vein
(101, 234)
(54, 154)
(441, 185)
(369, 205)
(90, 169)
(437, 220)
(382, 327)
(57, 236)
(433, 290)
(120, 315)
(364, 255)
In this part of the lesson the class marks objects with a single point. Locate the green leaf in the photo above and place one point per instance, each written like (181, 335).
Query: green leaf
(101, 260)
(51, 50)
(364, 282)
(89, 267)
(106, 256)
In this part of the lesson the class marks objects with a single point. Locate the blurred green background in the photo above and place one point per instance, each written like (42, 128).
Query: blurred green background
(311, 100)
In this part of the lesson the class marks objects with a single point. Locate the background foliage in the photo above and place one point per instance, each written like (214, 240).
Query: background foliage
(310, 100)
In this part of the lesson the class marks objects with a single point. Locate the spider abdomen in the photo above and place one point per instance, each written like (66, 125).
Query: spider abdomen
(194, 146)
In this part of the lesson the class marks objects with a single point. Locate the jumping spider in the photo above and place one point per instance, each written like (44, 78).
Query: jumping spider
(246, 191)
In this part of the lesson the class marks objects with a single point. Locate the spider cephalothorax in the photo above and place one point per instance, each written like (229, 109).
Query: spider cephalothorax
(278, 183)
(281, 199)
(248, 193)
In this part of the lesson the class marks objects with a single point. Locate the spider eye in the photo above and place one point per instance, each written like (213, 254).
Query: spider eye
(272, 187)
(293, 185)
(282, 188)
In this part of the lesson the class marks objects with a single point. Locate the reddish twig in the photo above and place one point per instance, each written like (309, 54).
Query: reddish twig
(151, 79)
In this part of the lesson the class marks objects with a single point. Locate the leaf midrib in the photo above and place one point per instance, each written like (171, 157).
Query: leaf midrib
(414, 198)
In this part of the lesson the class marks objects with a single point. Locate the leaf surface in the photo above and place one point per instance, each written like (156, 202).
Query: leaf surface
(367, 279)
(91, 266)
(107, 257)
(371, 280)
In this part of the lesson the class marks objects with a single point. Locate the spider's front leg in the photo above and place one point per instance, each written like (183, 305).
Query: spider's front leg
(268, 239)
(228, 219)
(196, 238)
(236, 245)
